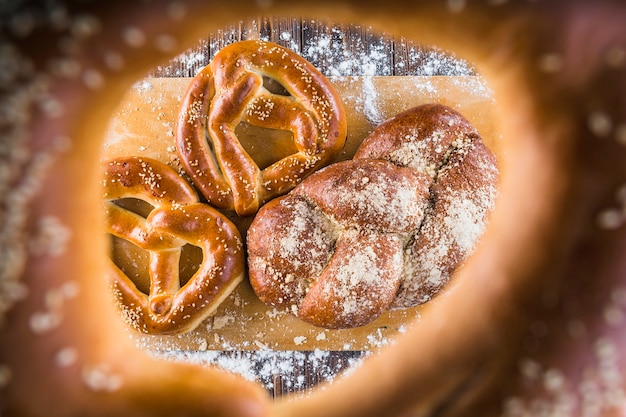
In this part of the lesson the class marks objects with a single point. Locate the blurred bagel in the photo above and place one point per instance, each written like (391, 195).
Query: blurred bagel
(536, 323)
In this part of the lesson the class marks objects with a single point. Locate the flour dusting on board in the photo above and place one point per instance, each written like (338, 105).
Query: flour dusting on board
(277, 371)
(336, 51)
(370, 105)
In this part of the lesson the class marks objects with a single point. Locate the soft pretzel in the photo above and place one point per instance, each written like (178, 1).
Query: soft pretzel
(230, 90)
(177, 219)
(386, 230)
(535, 324)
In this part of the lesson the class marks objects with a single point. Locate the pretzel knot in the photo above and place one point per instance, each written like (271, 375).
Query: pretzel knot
(177, 219)
(232, 89)
(384, 230)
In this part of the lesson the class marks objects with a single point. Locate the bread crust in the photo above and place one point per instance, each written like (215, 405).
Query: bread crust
(385, 230)
(231, 90)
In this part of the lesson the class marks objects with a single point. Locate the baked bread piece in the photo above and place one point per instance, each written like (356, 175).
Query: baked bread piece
(177, 218)
(384, 230)
(267, 85)
(438, 141)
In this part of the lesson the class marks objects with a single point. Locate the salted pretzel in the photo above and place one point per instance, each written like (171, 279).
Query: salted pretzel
(385, 230)
(534, 324)
(178, 218)
(230, 90)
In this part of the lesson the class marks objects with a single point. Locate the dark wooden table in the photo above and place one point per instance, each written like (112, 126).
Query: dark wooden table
(336, 50)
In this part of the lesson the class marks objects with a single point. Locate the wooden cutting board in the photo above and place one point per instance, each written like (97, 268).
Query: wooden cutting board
(145, 125)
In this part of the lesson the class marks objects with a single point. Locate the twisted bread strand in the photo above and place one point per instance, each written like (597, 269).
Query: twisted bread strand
(438, 141)
(231, 90)
(177, 219)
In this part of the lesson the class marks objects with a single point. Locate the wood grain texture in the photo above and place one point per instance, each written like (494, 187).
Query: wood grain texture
(332, 48)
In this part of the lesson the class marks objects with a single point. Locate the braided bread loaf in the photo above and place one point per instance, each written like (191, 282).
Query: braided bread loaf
(384, 230)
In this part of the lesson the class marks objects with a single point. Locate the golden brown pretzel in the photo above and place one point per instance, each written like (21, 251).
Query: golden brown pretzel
(230, 90)
(385, 230)
(177, 219)
(536, 321)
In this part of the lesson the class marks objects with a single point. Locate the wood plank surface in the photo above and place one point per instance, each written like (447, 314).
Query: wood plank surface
(334, 49)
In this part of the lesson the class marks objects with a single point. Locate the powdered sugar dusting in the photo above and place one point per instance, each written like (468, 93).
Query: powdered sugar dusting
(408, 209)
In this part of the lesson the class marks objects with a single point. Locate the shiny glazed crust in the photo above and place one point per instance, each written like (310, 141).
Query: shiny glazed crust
(385, 230)
(230, 90)
(537, 317)
(178, 218)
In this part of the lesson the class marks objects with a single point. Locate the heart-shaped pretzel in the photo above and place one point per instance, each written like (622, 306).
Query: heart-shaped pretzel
(384, 230)
(177, 219)
(230, 90)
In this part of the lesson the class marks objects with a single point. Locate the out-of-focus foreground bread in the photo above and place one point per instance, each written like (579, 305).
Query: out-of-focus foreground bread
(536, 323)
